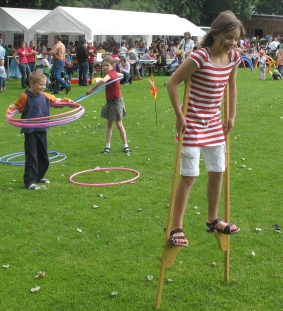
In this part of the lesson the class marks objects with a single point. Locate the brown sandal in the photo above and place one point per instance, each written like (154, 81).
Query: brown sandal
(173, 239)
(226, 230)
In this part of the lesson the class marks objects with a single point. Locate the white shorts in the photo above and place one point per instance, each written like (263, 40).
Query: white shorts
(214, 158)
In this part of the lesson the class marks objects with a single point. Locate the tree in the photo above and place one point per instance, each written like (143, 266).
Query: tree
(138, 6)
(198, 11)
(270, 7)
(242, 8)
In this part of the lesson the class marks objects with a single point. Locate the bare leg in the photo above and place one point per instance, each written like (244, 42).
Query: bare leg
(181, 201)
(122, 131)
(91, 75)
(214, 188)
(109, 129)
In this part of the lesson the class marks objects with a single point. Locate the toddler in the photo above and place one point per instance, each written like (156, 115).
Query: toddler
(3, 76)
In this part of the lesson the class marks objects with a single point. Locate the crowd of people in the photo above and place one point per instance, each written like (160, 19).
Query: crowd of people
(264, 53)
(81, 57)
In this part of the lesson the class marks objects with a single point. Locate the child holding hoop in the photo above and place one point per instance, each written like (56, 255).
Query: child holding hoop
(209, 69)
(35, 103)
(114, 110)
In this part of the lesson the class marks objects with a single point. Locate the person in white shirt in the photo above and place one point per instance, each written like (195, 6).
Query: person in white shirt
(125, 70)
(2, 50)
(123, 50)
(273, 45)
(186, 45)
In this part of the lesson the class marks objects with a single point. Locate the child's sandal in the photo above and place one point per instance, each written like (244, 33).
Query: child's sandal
(227, 229)
(106, 150)
(127, 150)
(173, 239)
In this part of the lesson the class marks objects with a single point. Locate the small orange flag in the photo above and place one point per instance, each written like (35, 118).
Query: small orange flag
(153, 89)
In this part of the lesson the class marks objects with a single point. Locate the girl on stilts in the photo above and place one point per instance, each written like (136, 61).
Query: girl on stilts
(209, 69)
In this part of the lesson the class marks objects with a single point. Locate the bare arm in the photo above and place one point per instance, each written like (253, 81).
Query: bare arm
(184, 72)
(97, 84)
(15, 58)
(232, 99)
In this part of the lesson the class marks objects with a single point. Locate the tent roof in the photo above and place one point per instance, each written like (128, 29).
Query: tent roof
(88, 21)
(19, 20)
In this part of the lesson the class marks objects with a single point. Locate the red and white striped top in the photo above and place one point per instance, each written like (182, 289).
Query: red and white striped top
(204, 124)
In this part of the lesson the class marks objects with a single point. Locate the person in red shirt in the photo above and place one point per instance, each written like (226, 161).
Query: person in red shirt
(114, 110)
(20, 56)
(31, 55)
(92, 52)
(208, 69)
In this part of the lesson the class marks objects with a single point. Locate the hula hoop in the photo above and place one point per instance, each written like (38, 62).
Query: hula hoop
(55, 120)
(99, 89)
(249, 62)
(7, 158)
(105, 169)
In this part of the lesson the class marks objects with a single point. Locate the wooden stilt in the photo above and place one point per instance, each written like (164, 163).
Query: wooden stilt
(170, 252)
(223, 239)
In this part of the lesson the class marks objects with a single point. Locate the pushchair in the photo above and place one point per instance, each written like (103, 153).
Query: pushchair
(52, 81)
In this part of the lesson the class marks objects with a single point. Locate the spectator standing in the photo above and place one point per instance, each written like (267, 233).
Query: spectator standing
(58, 53)
(31, 55)
(11, 52)
(82, 55)
(69, 66)
(262, 65)
(3, 76)
(186, 45)
(273, 47)
(92, 52)
(2, 49)
(22, 63)
(46, 69)
(42, 48)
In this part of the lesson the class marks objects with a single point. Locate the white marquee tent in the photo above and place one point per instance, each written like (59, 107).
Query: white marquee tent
(90, 22)
(19, 20)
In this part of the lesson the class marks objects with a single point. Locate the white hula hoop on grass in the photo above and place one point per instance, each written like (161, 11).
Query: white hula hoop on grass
(105, 169)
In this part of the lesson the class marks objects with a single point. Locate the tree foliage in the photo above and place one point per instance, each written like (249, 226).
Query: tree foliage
(198, 11)
(139, 6)
(270, 7)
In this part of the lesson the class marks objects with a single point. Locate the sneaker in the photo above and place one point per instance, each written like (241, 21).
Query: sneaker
(44, 181)
(32, 187)
(106, 150)
(127, 150)
(126, 83)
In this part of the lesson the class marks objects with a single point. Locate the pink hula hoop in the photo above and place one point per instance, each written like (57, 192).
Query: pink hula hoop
(54, 120)
(105, 169)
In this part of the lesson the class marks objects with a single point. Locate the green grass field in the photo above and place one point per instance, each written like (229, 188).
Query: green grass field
(88, 253)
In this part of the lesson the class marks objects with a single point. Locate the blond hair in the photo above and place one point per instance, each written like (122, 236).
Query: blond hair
(110, 60)
(35, 76)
